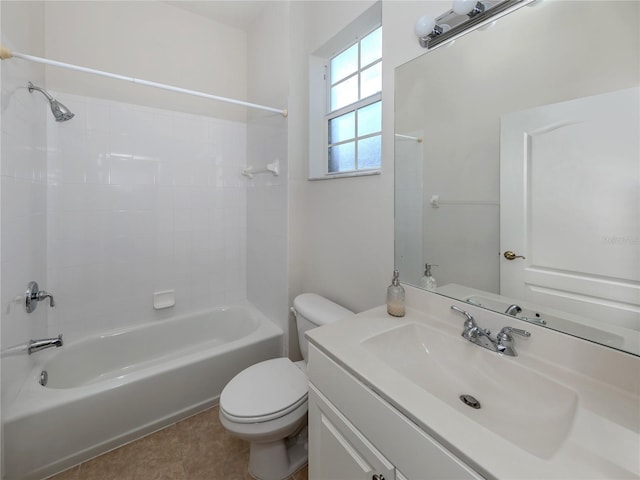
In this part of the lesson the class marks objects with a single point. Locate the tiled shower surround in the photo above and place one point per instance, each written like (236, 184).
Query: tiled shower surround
(141, 200)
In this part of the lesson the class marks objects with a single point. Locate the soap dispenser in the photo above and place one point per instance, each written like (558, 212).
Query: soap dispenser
(428, 282)
(395, 297)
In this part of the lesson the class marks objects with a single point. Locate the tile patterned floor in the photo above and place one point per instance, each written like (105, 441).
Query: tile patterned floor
(197, 448)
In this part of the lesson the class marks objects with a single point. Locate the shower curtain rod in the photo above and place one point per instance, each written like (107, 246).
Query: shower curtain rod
(5, 54)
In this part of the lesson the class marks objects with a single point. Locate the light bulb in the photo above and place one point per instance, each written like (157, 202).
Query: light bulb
(463, 7)
(424, 26)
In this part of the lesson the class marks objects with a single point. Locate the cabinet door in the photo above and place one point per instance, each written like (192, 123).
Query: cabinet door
(338, 451)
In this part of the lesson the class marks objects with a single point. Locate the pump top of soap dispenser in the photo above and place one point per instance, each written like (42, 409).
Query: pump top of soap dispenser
(427, 269)
(396, 278)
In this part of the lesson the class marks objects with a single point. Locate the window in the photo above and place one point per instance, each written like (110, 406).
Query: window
(345, 109)
(354, 118)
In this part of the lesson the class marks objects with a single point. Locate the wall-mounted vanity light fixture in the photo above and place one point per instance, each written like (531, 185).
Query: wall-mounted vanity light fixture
(465, 15)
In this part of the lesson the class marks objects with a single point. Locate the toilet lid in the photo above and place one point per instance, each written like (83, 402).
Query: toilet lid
(264, 391)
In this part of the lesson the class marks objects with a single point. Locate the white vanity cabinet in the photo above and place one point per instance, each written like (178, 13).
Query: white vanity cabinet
(340, 451)
(355, 434)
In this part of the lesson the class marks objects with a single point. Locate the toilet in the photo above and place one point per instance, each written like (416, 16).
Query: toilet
(266, 403)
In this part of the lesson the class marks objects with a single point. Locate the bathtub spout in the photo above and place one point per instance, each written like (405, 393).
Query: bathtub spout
(37, 345)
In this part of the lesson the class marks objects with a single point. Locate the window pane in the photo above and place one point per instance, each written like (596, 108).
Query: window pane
(371, 48)
(369, 152)
(370, 119)
(371, 80)
(342, 128)
(344, 93)
(344, 64)
(342, 157)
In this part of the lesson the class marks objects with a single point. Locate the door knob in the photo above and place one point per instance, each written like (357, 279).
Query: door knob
(509, 255)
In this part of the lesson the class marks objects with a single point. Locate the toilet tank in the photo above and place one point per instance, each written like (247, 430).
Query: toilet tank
(313, 311)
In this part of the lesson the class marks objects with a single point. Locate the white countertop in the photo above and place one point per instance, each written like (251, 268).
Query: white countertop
(601, 441)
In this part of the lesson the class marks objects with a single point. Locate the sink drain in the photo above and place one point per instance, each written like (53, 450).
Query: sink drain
(470, 401)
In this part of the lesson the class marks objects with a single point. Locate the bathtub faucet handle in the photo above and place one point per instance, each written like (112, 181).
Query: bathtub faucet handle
(42, 295)
(33, 295)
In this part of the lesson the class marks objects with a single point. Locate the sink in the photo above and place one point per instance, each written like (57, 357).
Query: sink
(563, 408)
(521, 405)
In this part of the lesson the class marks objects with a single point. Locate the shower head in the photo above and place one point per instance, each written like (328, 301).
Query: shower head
(59, 111)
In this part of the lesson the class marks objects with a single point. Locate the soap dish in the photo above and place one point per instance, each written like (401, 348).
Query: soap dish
(164, 299)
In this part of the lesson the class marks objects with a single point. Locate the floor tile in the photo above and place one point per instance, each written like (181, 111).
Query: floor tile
(70, 474)
(163, 444)
(209, 452)
(160, 469)
(302, 474)
(118, 464)
(197, 448)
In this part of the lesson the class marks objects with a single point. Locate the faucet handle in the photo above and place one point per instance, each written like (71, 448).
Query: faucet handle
(465, 313)
(33, 295)
(471, 330)
(518, 331)
(42, 295)
(504, 341)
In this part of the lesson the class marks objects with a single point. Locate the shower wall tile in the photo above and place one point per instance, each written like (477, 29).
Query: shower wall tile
(142, 200)
(267, 261)
(22, 211)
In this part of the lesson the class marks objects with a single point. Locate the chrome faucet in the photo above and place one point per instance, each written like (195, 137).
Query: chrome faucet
(503, 342)
(33, 295)
(513, 309)
(37, 345)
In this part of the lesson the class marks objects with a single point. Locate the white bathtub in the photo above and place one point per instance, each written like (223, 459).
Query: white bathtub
(107, 390)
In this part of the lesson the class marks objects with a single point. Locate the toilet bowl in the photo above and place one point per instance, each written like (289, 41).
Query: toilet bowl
(266, 404)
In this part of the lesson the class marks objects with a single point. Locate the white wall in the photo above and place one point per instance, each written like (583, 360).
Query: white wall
(297, 147)
(142, 200)
(149, 40)
(23, 188)
(160, 191)
(408, 205)
(345, 230)
(267, 83)
(145, 199)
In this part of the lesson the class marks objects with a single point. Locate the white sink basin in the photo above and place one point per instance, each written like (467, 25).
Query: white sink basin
(522, 406)
(563, 408)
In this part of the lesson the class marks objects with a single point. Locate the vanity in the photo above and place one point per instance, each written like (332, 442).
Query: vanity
(394, 398)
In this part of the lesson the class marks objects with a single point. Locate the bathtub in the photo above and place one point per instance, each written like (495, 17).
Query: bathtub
(110, 389)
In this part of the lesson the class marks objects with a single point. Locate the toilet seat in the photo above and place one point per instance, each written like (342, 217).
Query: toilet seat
(264, 391)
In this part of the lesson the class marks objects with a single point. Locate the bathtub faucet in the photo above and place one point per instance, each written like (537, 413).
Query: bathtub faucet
(33, 295)
(37, 345)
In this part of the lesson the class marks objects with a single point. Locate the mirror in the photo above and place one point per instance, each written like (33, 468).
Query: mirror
(518, 169)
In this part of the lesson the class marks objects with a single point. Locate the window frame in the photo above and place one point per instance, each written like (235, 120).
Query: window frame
(318, 135)
(352, 107)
